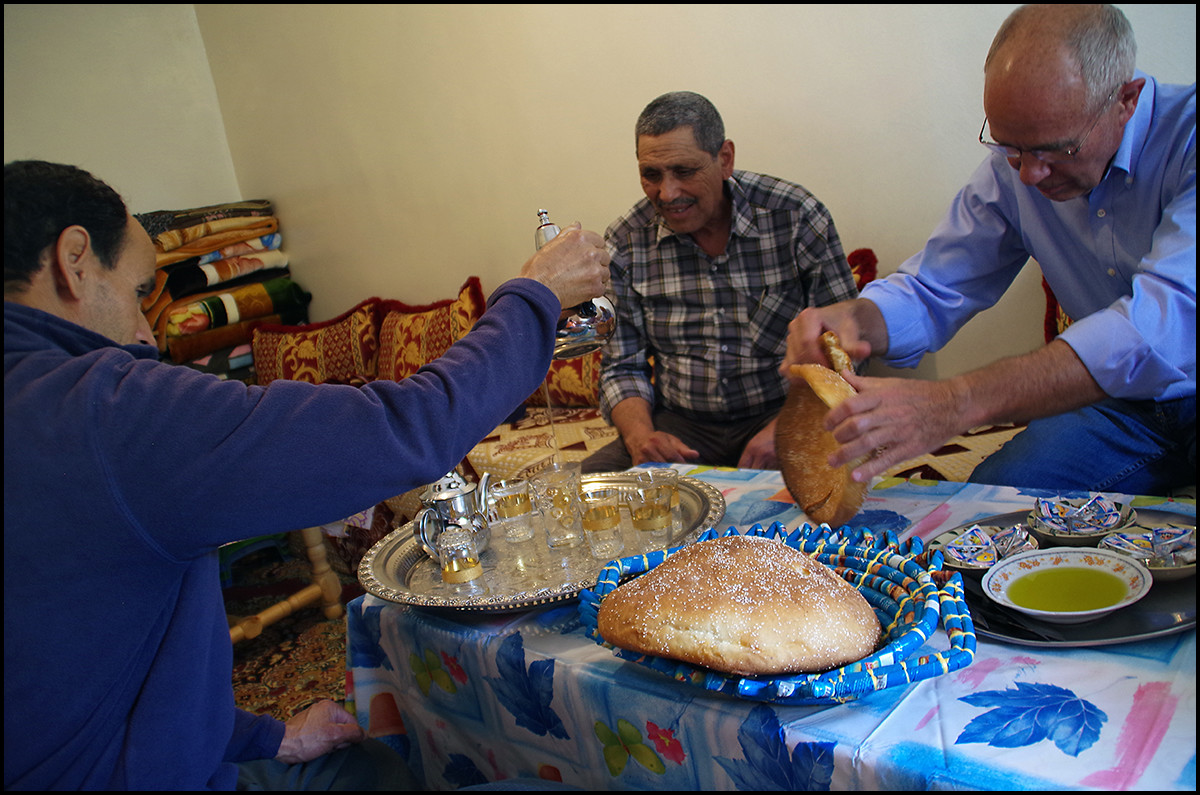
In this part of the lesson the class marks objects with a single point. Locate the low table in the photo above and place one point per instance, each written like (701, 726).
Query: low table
(471, 698)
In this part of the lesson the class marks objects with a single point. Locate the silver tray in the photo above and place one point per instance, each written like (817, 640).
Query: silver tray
(524, 575)
(1169, 608)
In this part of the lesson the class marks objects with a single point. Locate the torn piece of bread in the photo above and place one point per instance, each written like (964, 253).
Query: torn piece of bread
(743, 605)
(833, 351)
(803, 446)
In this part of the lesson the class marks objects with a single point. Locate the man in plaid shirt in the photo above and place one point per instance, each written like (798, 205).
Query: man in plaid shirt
(707, 272)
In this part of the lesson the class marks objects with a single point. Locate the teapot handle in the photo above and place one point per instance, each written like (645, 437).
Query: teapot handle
(427, 527)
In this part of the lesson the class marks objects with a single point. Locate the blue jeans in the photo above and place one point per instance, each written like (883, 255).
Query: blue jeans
(1130, 447)
(364, 767)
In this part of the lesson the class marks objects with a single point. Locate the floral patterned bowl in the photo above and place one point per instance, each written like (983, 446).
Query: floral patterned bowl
(1067, 585)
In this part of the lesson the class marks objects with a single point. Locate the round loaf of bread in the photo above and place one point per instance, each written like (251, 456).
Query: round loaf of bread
(742, 605)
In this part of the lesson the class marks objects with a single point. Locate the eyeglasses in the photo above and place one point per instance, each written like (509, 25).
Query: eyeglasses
(1058, 155)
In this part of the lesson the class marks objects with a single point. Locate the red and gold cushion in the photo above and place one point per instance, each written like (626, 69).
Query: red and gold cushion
(411, 336)
(339, 351)
(572, 383)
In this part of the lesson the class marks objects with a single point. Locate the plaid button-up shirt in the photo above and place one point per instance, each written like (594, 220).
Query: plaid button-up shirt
(717, 327)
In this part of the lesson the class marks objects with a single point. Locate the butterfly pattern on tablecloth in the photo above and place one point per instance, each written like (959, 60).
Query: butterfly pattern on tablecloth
(1030, 713)
(526, 693)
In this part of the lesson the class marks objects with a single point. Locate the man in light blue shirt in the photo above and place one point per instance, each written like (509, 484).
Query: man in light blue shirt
(1093, 175)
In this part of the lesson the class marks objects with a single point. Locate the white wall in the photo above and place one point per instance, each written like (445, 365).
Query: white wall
(408, 146)
(122, 91)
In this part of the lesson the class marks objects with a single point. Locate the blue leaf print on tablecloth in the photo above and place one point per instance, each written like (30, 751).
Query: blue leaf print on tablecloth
(880, 521)
(367, 651)
(462, 772)
(1031, 713)
(767, 764)
(526, 694)
(752, 508)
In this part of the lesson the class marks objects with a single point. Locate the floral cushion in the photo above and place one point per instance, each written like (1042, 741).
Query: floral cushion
(572, 383)
(338, 351)
(410, 336)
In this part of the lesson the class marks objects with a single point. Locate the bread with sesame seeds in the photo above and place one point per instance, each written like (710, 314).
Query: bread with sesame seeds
(742, 605)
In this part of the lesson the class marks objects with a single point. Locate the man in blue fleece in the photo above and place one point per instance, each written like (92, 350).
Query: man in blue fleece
(123, 475)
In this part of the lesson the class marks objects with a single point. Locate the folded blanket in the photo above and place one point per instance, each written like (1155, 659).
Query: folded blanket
(264, 243)
(186, 349)
(155, 311)
(176, 245)
(236, 362)
(159, 221)
(223, 307)
(185, 278)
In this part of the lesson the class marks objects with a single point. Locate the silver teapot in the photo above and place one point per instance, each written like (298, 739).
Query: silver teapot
(453, 502)
(582, 328)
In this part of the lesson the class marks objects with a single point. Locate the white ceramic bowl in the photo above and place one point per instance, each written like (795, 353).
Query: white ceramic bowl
(1161, 571)
(1134, 578)
(1052, 534)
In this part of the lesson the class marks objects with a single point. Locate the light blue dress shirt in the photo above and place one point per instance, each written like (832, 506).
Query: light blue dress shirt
(1121, 260)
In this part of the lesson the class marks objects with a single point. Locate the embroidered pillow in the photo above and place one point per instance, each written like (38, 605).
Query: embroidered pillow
(572, 383)
(410, 336)
(339, 351)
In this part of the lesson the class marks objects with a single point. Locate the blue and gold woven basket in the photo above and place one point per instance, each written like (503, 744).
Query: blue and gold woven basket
(903, 584)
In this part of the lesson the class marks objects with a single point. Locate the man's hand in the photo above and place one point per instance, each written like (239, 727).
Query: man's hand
(892, 420)
(316, 731)
(659, 446)
(858, 324)
(634, 421)
(574, 265)
(759, 452)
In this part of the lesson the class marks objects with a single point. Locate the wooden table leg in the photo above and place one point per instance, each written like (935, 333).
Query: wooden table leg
(325, 588)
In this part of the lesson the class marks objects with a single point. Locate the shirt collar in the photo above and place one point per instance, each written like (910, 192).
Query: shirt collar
(1136, 129)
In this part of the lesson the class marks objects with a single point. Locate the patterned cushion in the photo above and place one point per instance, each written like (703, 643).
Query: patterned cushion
(338, 351)
(572, 383)
(410, 336)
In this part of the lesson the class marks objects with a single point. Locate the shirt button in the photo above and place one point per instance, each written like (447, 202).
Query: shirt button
(1100, 213)
(1112, 272)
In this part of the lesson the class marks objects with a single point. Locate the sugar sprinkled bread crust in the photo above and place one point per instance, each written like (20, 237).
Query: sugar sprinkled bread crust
(743, 605)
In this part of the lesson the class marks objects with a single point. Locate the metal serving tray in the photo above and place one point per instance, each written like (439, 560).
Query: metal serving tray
(525, 575)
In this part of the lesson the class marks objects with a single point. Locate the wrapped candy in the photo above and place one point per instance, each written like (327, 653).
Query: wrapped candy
(1062, 516)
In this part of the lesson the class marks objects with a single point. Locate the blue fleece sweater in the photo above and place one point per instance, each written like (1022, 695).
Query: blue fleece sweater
(122, 475)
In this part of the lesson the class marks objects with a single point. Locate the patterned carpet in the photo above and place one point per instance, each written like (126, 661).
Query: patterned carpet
(296, 661)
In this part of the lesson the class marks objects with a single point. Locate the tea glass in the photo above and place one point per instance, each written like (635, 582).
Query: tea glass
(460, 561)
(602, 522)
(653, 508)
(510, 508)
(557, 491)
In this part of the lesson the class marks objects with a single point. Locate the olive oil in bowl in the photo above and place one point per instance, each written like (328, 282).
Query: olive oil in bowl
(1066, 585)
(1068, 590)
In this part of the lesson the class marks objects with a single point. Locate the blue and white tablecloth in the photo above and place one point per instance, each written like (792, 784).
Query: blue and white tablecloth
(468, 699)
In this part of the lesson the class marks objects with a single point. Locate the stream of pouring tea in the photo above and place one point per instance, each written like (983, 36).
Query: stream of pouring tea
(550, 418)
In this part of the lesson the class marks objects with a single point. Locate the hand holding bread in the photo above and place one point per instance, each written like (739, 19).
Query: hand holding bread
(804, 446)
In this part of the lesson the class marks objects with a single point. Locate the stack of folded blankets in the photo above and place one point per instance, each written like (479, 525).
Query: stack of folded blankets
(221, 270)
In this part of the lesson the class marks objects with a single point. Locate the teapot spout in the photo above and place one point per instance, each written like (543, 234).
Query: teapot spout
(584, 328)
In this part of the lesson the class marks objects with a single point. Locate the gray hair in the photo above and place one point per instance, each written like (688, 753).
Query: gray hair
(1099, 37)
(683, 109)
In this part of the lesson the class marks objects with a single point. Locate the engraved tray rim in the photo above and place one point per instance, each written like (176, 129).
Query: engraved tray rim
(401, 547)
